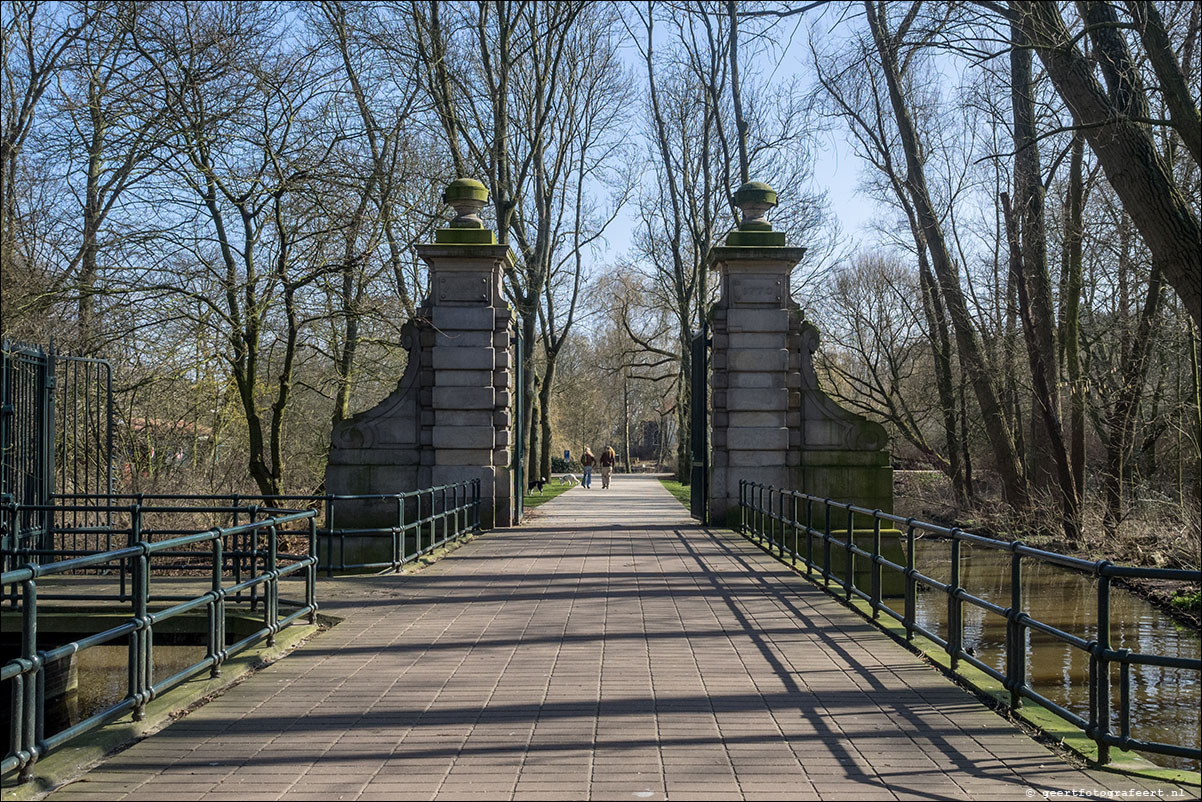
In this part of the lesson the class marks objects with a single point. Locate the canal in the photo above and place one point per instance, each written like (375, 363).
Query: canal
(1164, 702)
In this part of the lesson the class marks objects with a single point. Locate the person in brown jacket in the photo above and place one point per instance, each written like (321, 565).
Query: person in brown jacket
(608, 458)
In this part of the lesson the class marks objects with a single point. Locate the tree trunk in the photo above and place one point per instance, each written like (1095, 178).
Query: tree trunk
(1014, 486)
(544, 403)
(941, 350)
(1120, 423)
(1070, 327)
(1029, 250)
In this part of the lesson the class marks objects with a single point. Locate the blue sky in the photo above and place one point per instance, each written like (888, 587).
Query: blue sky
(836, 169)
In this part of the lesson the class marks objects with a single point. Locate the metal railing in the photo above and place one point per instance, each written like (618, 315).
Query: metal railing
(772, 517)
(245, 566)
(412, 524)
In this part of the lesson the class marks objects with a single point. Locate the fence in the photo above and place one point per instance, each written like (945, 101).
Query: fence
(774, 517)
(245, 567)
(420, 520)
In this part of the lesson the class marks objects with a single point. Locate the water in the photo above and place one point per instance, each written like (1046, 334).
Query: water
(103, 673)
(1164, 702)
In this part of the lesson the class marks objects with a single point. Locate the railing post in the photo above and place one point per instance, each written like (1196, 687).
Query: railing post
(1101, 676)
(31, 701)
(743, 508)
(826, 544)
(235, 558)
(911, 582)
(750, 508)
(398, 535)
(271, 593)
(766, 518)
(476, 505)
(250, 543)
(139, 639)
(809, 536)
(1016, 651)
(954, 629)
(793, 520)
(331, 504)
(849, 565)
(769, 524)
(876, 564)
(311, 573)
(780, 510)
(216, 640)
(400, 522)
(458, 510)
(759, 514)
(1124, 695)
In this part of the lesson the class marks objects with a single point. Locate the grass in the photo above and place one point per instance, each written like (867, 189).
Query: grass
(677, 489)
(1187, 599)
(551, 489)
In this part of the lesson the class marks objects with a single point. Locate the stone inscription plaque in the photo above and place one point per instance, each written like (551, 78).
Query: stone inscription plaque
(755, 290)
(470, 289)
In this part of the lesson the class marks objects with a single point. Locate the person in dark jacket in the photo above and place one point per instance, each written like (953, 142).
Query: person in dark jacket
(587, 461)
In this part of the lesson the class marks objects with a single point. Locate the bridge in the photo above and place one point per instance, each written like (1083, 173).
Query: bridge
(610, 648)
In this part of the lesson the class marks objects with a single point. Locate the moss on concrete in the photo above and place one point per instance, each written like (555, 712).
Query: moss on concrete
(465, 236)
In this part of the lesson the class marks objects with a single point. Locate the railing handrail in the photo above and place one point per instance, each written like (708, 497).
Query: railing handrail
(1099, 567)
(451, 508)
(270, 496)
(38, 570)
(758, 519)
(230, 582)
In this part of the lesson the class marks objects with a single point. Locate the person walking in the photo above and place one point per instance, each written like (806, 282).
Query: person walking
(608, 457)
(587, 461)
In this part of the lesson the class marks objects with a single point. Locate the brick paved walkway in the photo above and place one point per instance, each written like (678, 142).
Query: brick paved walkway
(608, 650)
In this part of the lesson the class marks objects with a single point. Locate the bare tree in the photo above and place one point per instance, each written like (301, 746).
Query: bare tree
(1115, 121)
(890, 46)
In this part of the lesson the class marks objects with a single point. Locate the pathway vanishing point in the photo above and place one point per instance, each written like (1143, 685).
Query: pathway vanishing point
(608, 649)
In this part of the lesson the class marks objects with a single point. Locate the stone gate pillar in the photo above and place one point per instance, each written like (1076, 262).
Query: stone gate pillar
(471, 355)
(770, 421)
(449, 418)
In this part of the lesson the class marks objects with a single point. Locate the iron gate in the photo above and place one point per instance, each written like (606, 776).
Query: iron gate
(26, 447)
(699, 427)
(56, 442)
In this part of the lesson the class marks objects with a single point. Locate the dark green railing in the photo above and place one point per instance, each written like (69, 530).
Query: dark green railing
(244, 564)
(410, 524)
(783, 522)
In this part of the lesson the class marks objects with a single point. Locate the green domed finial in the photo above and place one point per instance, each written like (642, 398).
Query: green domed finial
(468, 196)
(754, 199)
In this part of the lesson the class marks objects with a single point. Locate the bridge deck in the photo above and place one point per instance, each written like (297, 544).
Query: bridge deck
(610, 649)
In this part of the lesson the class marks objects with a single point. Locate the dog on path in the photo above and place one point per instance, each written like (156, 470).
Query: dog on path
(569, 479)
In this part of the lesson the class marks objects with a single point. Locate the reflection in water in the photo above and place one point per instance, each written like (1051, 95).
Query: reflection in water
(103, 673)
(1164, 702)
